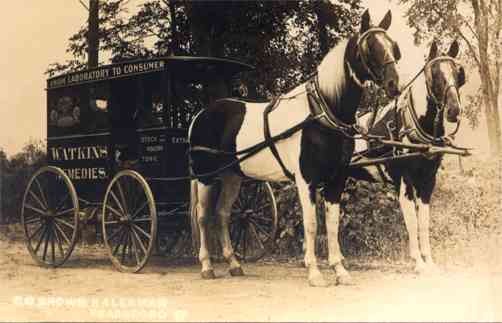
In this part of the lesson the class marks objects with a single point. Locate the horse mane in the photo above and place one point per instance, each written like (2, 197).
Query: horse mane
(331, 73)
(419, 94)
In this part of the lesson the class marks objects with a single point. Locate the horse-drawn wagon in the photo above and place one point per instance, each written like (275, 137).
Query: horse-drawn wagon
(115, 134)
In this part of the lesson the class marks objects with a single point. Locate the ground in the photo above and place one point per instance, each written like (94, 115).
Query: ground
(466, 238)
(167, 290)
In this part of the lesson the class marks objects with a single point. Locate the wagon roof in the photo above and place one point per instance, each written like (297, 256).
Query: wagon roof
(188, 64)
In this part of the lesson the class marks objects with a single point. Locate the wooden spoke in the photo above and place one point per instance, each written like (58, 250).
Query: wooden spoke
(31, 207)
(61, 221)
(135, 250)
(31, 236)
(263, 231)
(142, 220)
(61, 204)
(65, 211)
(121, 240)
(42, 237)
(136, 213)
(257, 239)
(138, 239)
(141, 231)
(119, 230)
(63, 234)
(117, 213)
(42, 195)
(122, 197)
(37, 199)
(117, 202)
(124, 247)
(53, 247)
(58, 240)
(31, 221)
(46, 244)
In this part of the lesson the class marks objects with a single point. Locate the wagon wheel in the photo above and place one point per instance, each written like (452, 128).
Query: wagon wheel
(253, 225)
(50, 216)
(129, 221)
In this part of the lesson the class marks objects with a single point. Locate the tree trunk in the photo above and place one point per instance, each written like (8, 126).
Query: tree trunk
(93, 34)
(493, 124)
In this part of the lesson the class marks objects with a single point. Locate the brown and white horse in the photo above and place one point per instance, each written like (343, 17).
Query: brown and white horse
(428, 111)
(318, 154)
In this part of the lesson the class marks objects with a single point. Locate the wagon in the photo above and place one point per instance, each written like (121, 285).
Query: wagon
(115, 136)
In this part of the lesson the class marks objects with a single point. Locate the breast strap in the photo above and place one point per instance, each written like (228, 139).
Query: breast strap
(266, 132)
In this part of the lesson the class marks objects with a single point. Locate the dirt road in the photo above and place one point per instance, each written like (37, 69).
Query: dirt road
(89, 289)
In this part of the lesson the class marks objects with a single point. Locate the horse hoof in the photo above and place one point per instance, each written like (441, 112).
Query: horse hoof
(318, 281)
(208, 274)
(344, 280)
(236, 272)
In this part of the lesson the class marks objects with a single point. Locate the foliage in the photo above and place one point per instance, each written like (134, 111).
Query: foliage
(284, 39)
(15, 173)
(465, 205)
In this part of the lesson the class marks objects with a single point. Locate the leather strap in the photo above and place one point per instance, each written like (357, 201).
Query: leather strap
(271, 145)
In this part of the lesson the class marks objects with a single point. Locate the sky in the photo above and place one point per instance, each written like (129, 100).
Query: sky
(35, 33)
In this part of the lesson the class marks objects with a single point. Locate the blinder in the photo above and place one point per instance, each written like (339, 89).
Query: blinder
(396, 51)
(461, 76)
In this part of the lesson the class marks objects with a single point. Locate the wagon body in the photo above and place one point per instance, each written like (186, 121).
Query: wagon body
(84, 115)
(98, 120)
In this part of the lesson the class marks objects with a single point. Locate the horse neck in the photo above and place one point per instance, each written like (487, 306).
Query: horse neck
(339, 90)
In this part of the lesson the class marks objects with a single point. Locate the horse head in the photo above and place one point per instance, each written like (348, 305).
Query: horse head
(377, 54)
(444, 76)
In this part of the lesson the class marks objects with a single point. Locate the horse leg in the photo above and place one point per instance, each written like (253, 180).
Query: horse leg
(408, 208)
(423, 234)
(230, 185)
(310, 232)
(335, 256)
(204, 209)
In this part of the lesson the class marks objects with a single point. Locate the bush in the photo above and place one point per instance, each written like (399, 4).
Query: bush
(464, 206)
(15, 174)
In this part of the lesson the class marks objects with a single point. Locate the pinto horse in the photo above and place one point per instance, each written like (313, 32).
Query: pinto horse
(423, 119)
(316, 154)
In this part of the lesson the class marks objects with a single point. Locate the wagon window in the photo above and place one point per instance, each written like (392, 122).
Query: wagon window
(188, 97)
(99, 98)
(151, 109)
(64, 109)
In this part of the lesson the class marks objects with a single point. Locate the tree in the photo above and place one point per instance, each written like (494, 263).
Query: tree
(479, 24)
(284, 39)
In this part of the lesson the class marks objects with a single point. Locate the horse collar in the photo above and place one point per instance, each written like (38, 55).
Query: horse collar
(320, 110)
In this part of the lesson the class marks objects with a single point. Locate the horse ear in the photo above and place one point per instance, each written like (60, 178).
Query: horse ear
(365, 21)
(454, 49)
(386, 21)
(433, 53)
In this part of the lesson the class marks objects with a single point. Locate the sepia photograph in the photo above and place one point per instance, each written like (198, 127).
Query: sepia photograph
(251, 161)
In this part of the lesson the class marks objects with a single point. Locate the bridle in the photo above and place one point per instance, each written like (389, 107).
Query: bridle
(440, 103)
(319, 108)
(362, 52)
